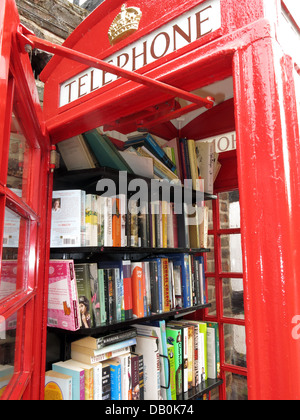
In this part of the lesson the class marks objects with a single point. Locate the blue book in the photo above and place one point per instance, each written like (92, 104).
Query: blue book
(73, 369)
(183, 260)
(115, 380)
(148, 141)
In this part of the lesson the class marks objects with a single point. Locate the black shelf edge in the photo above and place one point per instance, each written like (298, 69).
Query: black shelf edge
(89, 177)
(125, 250)
(123, 324)
(201, 389)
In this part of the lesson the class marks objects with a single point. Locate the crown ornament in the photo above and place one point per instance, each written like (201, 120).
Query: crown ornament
(125, 23)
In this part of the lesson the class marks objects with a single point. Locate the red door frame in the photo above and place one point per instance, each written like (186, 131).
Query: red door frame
(17, 85)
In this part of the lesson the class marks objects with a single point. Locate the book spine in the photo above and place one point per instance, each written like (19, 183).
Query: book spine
(137, 290)
(154, 287)
(102, 295)
(106, 392)
(127, 290)
(166, 289)
(115, 381)
(135, 377)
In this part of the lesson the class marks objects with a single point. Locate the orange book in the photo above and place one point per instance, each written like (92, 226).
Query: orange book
(116, 223)
(137, 289)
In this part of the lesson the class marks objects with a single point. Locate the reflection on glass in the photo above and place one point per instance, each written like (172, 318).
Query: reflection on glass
(232, 258)
(17, 155)
(235, 345)
(236, 387)
(12, 275)
(211, 290)
(229, 209)
(7, 350)
(233, 298)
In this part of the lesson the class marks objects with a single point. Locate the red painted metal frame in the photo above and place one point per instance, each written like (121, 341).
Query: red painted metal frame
(17, 86)
(218, 276)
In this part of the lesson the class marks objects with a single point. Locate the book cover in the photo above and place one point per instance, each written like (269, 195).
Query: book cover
(148, 347)
(77, 374)
(158, 329)
(83, 281)
(115, 380)
(174, 338)
(63, 306)
(58, 386)
(137, 289)
(213, 351)
(150, 143)
(106, 153)
(171, 357)
(75, 153)
(68, 219)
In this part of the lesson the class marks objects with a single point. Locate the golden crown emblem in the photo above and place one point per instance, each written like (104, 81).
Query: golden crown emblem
(126, 23)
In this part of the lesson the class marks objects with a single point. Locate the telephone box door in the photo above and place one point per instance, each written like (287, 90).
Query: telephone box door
(24, 183)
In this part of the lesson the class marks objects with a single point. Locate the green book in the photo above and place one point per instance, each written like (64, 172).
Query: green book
(106, 153)
(102, 296)
(171, 357)
(203, 330)
(174, 337)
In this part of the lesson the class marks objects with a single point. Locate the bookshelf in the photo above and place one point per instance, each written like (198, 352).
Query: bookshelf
(87, 180)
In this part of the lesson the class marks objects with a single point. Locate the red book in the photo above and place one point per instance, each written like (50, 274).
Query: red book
(127, 289)
(137, 289)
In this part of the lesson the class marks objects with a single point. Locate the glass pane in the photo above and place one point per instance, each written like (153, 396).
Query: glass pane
(229, 208)
(15, 246)
(18, 156)
(235, 345)
(211, 289)
(231, 253)
(210, 256)
(236, 387)
(233, 298)
(7, 350)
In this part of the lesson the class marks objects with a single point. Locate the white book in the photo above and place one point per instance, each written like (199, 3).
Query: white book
(211, 353)
(148, 346)
(76, 154)
(68, 214)
(108, 222)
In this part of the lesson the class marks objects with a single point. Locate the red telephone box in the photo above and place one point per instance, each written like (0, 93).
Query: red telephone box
(123, 68)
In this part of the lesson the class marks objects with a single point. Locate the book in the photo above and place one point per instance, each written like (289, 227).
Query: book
(171, 358)
(137, 290)
(184, 338)
(174, 337)
(63, 306)
(97, 343)
(95, 294)
(76, 347)
(106, 388)
(183, 261)
(205, 154)
(203, 330)
(150, 143)
(68, 219)
(107, 222)
(166, 285)
(83, 281)
(158, 329)
(126, 384)
(77, 373)
(135, 376)
(106, 153)
(58, 386)
(213, 351)
(148, 347)
(141, 375)
(116, 222)
(101, 288)
(76, 154)
(115, 380)
(91, 220)
(85, 358)
(127, 286)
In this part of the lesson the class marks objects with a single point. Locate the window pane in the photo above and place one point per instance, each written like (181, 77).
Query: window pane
(236, 387)
(229, 208)
(211, 288)
(15, 247)
(231, 253)
(7, 350)
(233, 298)
(18, 157)
(235, 345)
(210, 268)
